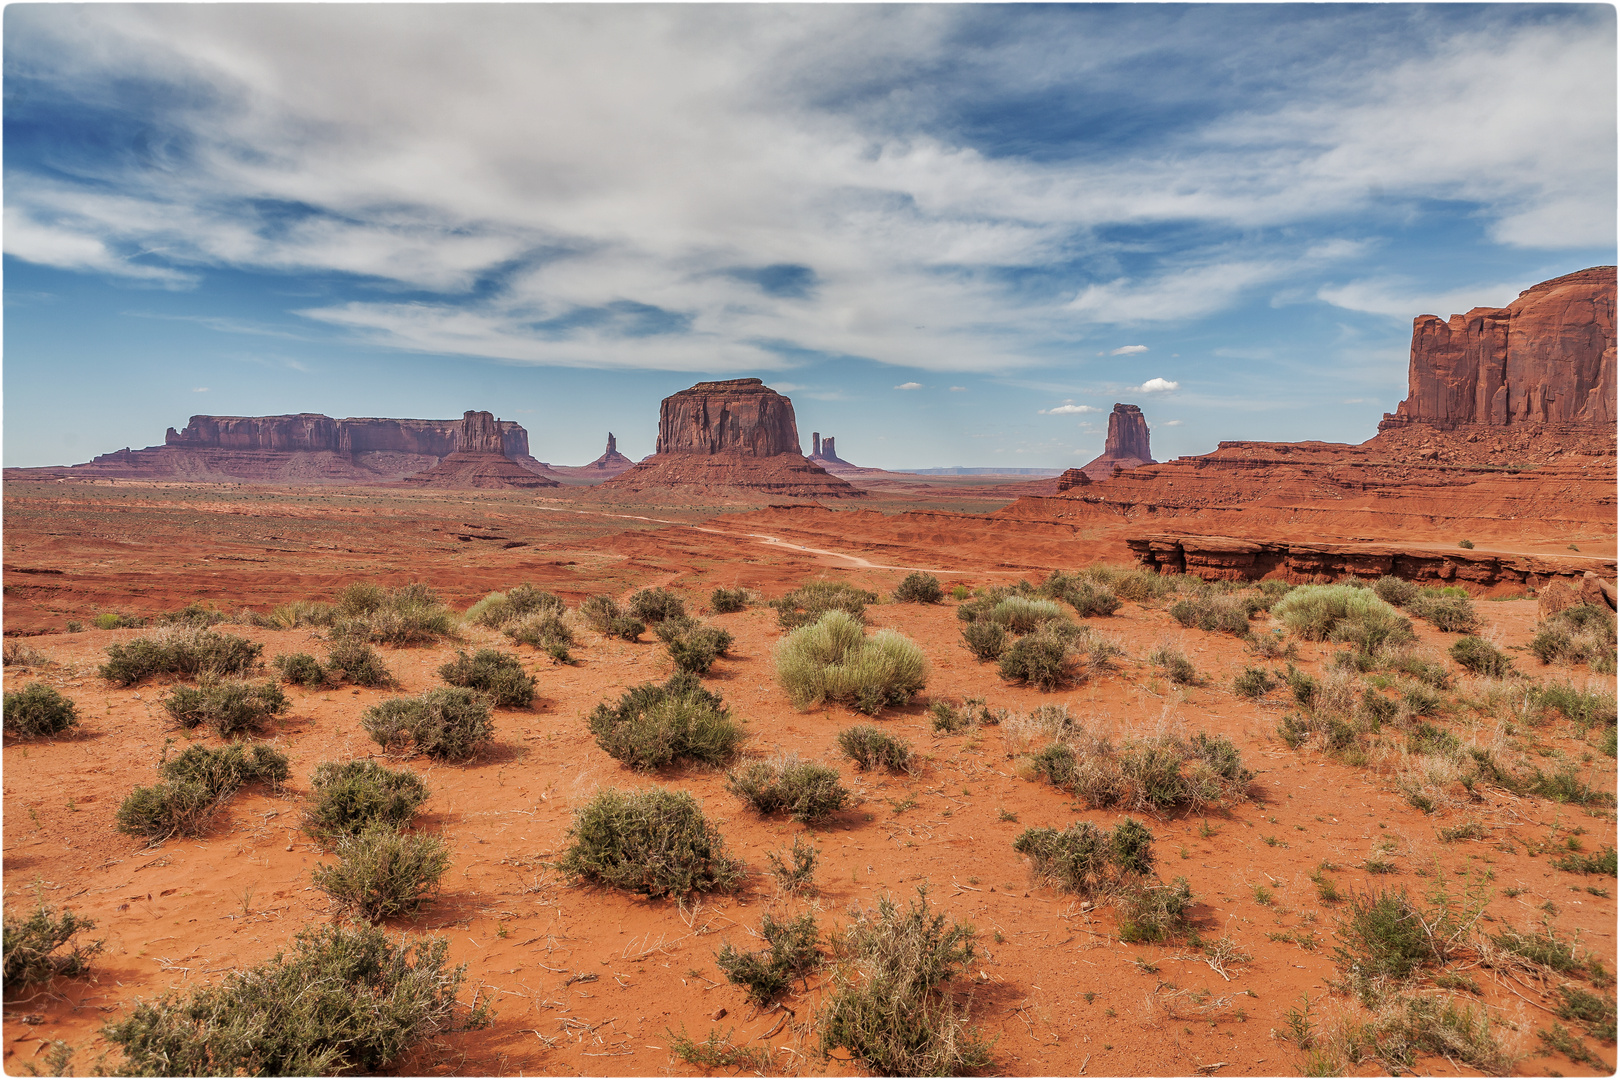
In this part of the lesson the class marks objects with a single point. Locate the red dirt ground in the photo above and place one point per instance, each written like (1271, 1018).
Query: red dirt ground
(176, 916)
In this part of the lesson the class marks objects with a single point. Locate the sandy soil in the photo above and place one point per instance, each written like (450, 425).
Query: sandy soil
(1056, 989)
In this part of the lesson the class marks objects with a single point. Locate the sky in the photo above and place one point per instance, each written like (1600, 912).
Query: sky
(952, 234)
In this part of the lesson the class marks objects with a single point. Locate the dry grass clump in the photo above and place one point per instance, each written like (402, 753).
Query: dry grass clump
(693, 646)
(1131, 583)
(1253, 683)
(1085, 859)
(718, 1051)
(1399, 1029)
(795, 867)
(1085, 593)
(1154, 772)
(181, 650)
(452, 724)
(809, 603)
(195, 785)
(603, 614)
(654, 725)
(196, 614)
(37, 711)
(1481, 657)
(16, 654)
(655, 842)
(1023, 732)
(890, 1006)
(832, 659)
(1175, 665)
(807, 790)
(1347, 613)
(1396, 591)
(1214, 610)
(948, 719)
(520, 602)
(1583, 634)
(792, 952)
(496, 674)
(230, 706)
(347, 796)
(547, 631)
(383, 873)
(1447, 608)
(347, 1000)
(31, 946)
(919, 588)
(867, 747)
(409, 615)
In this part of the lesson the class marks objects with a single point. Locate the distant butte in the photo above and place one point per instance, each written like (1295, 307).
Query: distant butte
(479, 461)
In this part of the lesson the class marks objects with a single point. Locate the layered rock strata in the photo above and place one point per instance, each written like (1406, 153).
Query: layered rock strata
(479, 461)
(1126, 446)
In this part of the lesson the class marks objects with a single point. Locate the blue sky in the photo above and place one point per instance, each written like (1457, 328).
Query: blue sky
(955, 235)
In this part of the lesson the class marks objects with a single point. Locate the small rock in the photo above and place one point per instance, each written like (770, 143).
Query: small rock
(719, 1014)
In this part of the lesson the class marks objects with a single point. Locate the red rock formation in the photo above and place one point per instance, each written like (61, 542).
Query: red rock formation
(611, 463)
(733, 437)
(478, 461)
(826, 455)
(1548, 357)
(1127, 445)
(313, 432)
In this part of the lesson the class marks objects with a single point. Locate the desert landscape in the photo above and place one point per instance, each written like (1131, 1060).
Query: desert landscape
(1291, 758)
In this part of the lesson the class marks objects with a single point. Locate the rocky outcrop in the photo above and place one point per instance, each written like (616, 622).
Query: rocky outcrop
(1126, 447)
(478, 461)
(313, 432)
(1548, 357)
(736, 437)
(611, 463)
(825, 451)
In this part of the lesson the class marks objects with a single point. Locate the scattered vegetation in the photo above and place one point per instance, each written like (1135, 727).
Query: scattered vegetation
(1582, 634)
(357, 663)
(653, 606)
(1085, 859)
(1088, 595)
(809, 603)
(348, 796)
(1602, 862)
(497, 674)
(948, 719)
(15, 654)
(1345, 613)
(300, 669)
(1596, 1014)
(1175, 665)
(693, 646)
(791, 953)
(113, 620)
(1448, 609)
(1481, 657)
(654, 725)
(1213, 610)
(409, 615)
(603, 614)
(724, 601)
(655, 842)
(32, 945)
(451, 723)
(196, 614)
(1143, 773)
(717, 1051)
(919, 588)
(37, 711)
(1253, 683)
(807, 790)
(183, 651)
(229, 705)
(547, 632)
(347, 1000)
(194, 785)
(795, 867)
(383, 873)
(867, 747)
(833, 660)
(499, 610)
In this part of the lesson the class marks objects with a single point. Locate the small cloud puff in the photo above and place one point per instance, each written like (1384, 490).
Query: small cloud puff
(1129, 350)
(199, 389)
(1158, 386)
(1069, 410)
(958, 389)
(1170, 423)
(909, 386)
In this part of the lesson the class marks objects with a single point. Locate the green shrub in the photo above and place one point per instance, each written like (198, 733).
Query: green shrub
(808, 603)
(1085, 859)
(655, 605)
(1085, 594)
(347, 796)
(1544, 948)
(1453, 614)
(1584, 708)
(194, 785)
(655, 842)
(31, 944)
(888, 1006)
(654, 725)
(1024, 614)
(1385, 935)
(358, 663)
(347, 1000)
(1602, 862)
(1596, 1014)
(693, 646)
(409, 615)
(797, 870)
(1131, 583)
(1582, 634)
(1043, 660)
(1343, 613)
(300, 669)
(832, 660)
(229, 705)
(1395, 591)
(603, 614)
(547, 632)
(809, 791)
(987, 640)
(791, 953)
(452, 724)
(291, 616)
(919, 588)
(725, 601)
(383, 873)
(519, 602)
(717, 1051)
(867, 746)
(1481, 657)
(1212, 611)
(497, 674)
(1175, 665)
(38, 710)
(1152, 773)
(1253, 682)
(1465, 544)
(112, 620)
(196, 614)
(183, 651)
(1153, 911)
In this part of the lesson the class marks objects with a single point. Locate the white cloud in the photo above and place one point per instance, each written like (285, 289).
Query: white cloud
(1069, 410)
(909, 386)
(1157, 386)
(958, 389)
(1129, 350)
(1170, 423)
(1404, 298)
(199, 389)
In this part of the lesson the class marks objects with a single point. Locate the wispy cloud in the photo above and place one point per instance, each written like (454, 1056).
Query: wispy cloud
(909, 386)
(1129, 350)
(1069, 410)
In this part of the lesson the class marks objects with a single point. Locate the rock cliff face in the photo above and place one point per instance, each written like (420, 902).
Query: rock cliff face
(731, 438)
(315, 432)
(1548, 357)
(478, 461)
(1127, 445)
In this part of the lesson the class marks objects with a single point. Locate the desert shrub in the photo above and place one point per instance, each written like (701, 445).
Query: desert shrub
(655, 605)
(603, 614)
(1395, 591)
(1385, 935)
(1584, 708)
(1085, 859)
(228, 705)
(1343, 613)
(38, 710)
(807, 790)
(655, 842)
(1086, 594)
(1600, 862)
(888, 1006)
(1212, 611)
(1453, 614)
(196, 614)
(808, 603)
(1481, 657)
(867, 746)
(987, 640)
(194, 785)
(791, 952)
(383, 873)
(1253, 682)
(948, 719)
(693, 646)
(1405, 1026)
(409, 615)
(347, 796)
(347, 1000)
(298, 613)
(919, 588)
(1024, 614)
(1540, 947)
(1131, 583)
(1175, 665)
(547, 632)
(717, 1051)
(1153, 911)
(497, 674)
(183, 651)
(1043, 660)
(114, 620)
(16, 654)
(519, 602)
(795, 867)
(301, 669)
(1582, 634)
(654, 725)
(833, 660)
(358, 663)
(724, 601)
(1596, 1013)
(31, 946)
(1411, 664)
(452, 724)
(1144, 773)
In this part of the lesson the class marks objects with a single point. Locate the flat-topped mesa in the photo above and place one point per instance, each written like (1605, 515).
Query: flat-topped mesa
(1548, 357)
(479, 460)
(741, 416)
(1127, 445)
(314, 432)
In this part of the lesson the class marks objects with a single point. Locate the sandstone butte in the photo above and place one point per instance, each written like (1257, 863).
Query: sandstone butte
(1126, 448)
(736, 436)
(479, 460)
